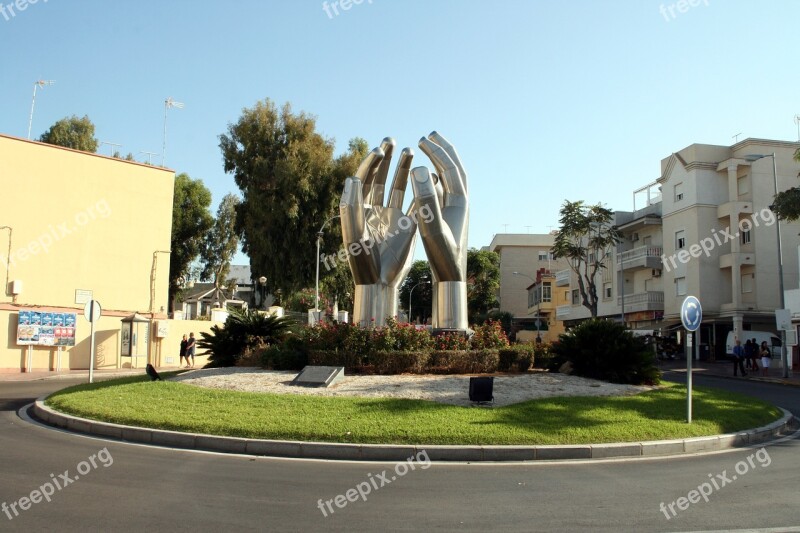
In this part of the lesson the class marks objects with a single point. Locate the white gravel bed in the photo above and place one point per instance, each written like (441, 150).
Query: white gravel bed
(453, 390)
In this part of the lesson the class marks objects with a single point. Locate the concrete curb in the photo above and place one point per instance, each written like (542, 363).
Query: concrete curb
(399, 452)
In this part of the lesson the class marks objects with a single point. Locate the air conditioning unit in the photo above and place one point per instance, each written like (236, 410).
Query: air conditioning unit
(656, 272)
(634, 237)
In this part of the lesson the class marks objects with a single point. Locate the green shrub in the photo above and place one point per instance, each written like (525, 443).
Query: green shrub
(292, 354)
(516, 356)
(463, 361)
(601, 349)
(241, 332)
(450, 341)
(489, 335)
(399, 362)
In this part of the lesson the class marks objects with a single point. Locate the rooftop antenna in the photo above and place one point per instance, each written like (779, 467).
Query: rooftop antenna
(505, 228)
(111, 147)
(528, 228)
(797, 121)
(149, 156)
(736, 137)
(36, 85)
(168, 103)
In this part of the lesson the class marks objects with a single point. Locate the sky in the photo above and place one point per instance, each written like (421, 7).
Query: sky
(545, 101)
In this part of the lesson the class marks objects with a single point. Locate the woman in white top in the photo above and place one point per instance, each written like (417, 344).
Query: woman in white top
(765, 358)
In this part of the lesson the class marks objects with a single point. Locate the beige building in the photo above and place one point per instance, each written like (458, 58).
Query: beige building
(703, 228)
(74, 224)
(524, 254)
(543, 300)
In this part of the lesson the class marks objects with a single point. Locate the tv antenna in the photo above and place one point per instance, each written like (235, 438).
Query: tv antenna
(505, 228)
(797, 121)
(736, 137)
(149, 156)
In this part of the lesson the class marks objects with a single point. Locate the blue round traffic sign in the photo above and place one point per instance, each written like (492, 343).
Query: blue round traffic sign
(691, 313)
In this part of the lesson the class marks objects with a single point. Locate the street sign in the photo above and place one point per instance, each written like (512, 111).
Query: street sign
(783, 319)
(691, 313)
(92, 310)
(82, 296)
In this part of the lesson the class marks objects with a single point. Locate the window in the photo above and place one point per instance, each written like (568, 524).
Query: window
(746, 237)
(607, 290)
(747, 283)
(542, 256)
(680, 240)
(743, 185)
(575, 297)
(547, 292)
(678, 192)
(566, 296)
(680, 286)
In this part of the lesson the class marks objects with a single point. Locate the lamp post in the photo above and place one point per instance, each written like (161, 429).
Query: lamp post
(784, 353)
(8, 257)
(262, 286)
(411, 292)
(320, 234)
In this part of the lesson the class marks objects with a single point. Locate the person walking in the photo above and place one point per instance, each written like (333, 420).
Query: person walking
(184, 344)
(766, 357)
(190, 349)
(738, 358)
(756, 355)
(748, 354)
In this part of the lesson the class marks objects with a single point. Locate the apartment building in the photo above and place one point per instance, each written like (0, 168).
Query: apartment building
(703, 228)
(521, 257)
(543, 300)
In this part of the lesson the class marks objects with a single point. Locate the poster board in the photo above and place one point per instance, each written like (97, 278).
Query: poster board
(45, 328)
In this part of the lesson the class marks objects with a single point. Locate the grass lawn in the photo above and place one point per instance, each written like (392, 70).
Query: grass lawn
(654, 415)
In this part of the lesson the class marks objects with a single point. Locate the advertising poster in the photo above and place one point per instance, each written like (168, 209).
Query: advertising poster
(46, 328)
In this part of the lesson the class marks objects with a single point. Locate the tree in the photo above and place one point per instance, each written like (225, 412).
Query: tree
(290, 186)
(338, 286)
(483, 281)
(787, 203)
(128, 157)
(584, 238)
(220, 243)
(191, 220)
(72, 132)
(418, 280)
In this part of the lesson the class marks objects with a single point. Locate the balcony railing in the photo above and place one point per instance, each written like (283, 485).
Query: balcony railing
(643, 301)
(641, 257)
(563, 277)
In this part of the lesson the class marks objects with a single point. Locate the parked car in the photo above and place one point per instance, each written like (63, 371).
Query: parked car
(773, 341)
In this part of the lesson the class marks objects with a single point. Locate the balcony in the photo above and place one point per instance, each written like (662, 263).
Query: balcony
(642, 257)
(643, 301)
(740, 258)
(563, 277)
(563, 311)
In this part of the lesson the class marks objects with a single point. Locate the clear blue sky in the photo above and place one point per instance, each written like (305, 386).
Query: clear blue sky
(544, 100)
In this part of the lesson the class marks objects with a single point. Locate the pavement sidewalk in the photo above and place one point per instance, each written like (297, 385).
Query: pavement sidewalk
(102, 374)
(724, 369)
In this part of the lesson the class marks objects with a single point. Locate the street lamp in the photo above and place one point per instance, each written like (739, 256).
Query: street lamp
(320, 234)
(784, 353)
(262, 283)
(411, 292)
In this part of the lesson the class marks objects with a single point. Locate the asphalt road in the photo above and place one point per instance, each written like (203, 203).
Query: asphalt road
(114, 486)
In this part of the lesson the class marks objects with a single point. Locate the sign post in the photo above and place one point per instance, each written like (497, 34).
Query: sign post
(691, 317)
(92, 312)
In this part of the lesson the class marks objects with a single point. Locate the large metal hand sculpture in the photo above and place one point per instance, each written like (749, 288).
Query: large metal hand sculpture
(444, 234)
(379, 239)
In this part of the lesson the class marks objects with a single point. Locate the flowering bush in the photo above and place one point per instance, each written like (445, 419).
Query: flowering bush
(450, 341)
(488, 336)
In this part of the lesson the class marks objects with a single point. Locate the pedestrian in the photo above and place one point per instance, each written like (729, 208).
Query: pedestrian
(766, 357)
(748, 354)
(184, 353)
(190, 348)
(756, 355)
(738, 358)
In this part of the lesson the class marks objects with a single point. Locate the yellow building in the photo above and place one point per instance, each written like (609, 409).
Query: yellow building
(543, 300)
(74, 224)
